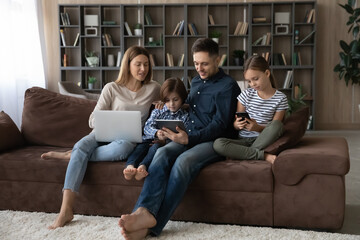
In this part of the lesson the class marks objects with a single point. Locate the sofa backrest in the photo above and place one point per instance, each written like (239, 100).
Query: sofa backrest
(53, 119)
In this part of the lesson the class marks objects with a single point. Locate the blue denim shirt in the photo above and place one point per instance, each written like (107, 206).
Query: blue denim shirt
(212, 105)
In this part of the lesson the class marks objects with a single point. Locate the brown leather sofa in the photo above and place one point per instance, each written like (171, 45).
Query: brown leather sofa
(305, 188)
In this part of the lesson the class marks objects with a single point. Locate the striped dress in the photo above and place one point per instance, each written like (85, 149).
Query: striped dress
(261, 110)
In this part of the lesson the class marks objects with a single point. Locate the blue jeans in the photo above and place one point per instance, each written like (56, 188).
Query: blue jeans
(170, 173)
(143, 154)
(88, 149)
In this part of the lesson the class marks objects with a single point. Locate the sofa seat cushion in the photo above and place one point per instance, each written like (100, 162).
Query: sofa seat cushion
(313, 155)
(231, 175)
(235, 175)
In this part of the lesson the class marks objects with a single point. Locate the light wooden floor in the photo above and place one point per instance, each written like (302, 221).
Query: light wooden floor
(352, 209)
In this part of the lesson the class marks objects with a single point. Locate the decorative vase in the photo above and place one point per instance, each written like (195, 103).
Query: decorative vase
(237, 61)
(92, 61)
(90, 86)
(138, 32)
(110, 60)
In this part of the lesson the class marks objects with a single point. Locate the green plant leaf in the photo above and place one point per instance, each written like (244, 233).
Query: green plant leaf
(344, 46)
(355, 31)
(354, 46)
(348, 8)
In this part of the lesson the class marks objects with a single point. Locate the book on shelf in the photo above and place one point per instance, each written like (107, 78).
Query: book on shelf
(307, 37)
(128, 30)
(108, 22)
(268, 38)
(259, 19)
(62, 35)
(288, 79)
(148, 20)
(279, 59)
(152, 60)
(103, 40)
(283, 59)
(266, 55)
(258, 41)
(170, 59)
(76, 39)
(237, 28)
(241, 28)
(118, 60)
(65, 18)
(310, 16)
(65, 60)
(181, 60)
(211, 20)
(108, 39)
(263, 40)
(181, 28)
(192, 29)
(296, 58)
(223, 60)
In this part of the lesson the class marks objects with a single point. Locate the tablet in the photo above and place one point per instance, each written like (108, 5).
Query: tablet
(170, 124)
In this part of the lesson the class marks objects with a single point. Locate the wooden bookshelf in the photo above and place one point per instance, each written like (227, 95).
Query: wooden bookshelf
(159, 22)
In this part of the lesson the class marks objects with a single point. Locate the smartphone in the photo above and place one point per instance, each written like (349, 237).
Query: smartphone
(243, 115)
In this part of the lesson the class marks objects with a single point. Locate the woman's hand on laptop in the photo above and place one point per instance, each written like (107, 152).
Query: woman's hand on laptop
(181, 137)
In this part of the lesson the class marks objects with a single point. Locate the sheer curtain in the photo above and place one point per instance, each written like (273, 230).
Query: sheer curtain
(21, 55)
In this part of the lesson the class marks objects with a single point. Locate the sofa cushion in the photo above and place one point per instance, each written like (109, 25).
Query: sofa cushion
(294, 129)
(313, 155)
(10, 136)
(53, 119)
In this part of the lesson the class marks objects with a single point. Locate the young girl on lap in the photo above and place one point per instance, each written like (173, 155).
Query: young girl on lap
(173, 93)
(266, 107)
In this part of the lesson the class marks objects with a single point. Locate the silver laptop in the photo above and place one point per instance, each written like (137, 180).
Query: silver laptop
(118, 125)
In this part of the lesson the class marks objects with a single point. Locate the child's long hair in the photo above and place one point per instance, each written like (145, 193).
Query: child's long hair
(129, 55)
(260, 64)
(170, 85)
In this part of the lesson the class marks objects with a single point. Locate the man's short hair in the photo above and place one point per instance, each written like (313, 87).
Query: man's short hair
(205, 45)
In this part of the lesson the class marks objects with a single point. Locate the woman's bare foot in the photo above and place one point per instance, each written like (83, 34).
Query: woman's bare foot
(62, 219)
(129, 172)
(141, 172)
(138, 235)
(57, 155)
(270, 157)
(138, 220)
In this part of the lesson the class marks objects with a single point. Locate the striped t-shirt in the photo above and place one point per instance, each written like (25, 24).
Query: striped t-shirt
(261, 110)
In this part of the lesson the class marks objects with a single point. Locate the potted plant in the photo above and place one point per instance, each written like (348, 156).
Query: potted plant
(348, 68)
(92, 59)
(91, 81)
(238, 56)
(215, 35)
(138, 29)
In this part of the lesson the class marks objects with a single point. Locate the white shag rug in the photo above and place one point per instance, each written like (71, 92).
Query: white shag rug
(33, 225)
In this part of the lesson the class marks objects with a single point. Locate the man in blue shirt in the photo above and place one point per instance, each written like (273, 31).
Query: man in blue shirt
(212, 105)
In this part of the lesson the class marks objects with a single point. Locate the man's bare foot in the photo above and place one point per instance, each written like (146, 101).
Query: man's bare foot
(141, 172)
(57, 155)
(270, 157)
(138, 235)
(62, 219)
(129, 172)
(140, 219)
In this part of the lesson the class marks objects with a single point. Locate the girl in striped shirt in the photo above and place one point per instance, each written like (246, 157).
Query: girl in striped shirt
(266, 107)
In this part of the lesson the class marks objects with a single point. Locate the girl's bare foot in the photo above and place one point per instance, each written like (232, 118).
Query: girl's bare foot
(138, 220)
(129, 172)
(57, 155)
(270, 157)
(141, 172)
(138, 235)
(62, 219)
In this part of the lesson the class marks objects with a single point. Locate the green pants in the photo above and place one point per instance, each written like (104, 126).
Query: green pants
(249, 148)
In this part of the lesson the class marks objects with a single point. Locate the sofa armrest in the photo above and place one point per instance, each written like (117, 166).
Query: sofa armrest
(313, 155)
(10, 136)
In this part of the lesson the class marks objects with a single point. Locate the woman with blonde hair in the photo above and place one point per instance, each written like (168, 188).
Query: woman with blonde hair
(133, 90)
